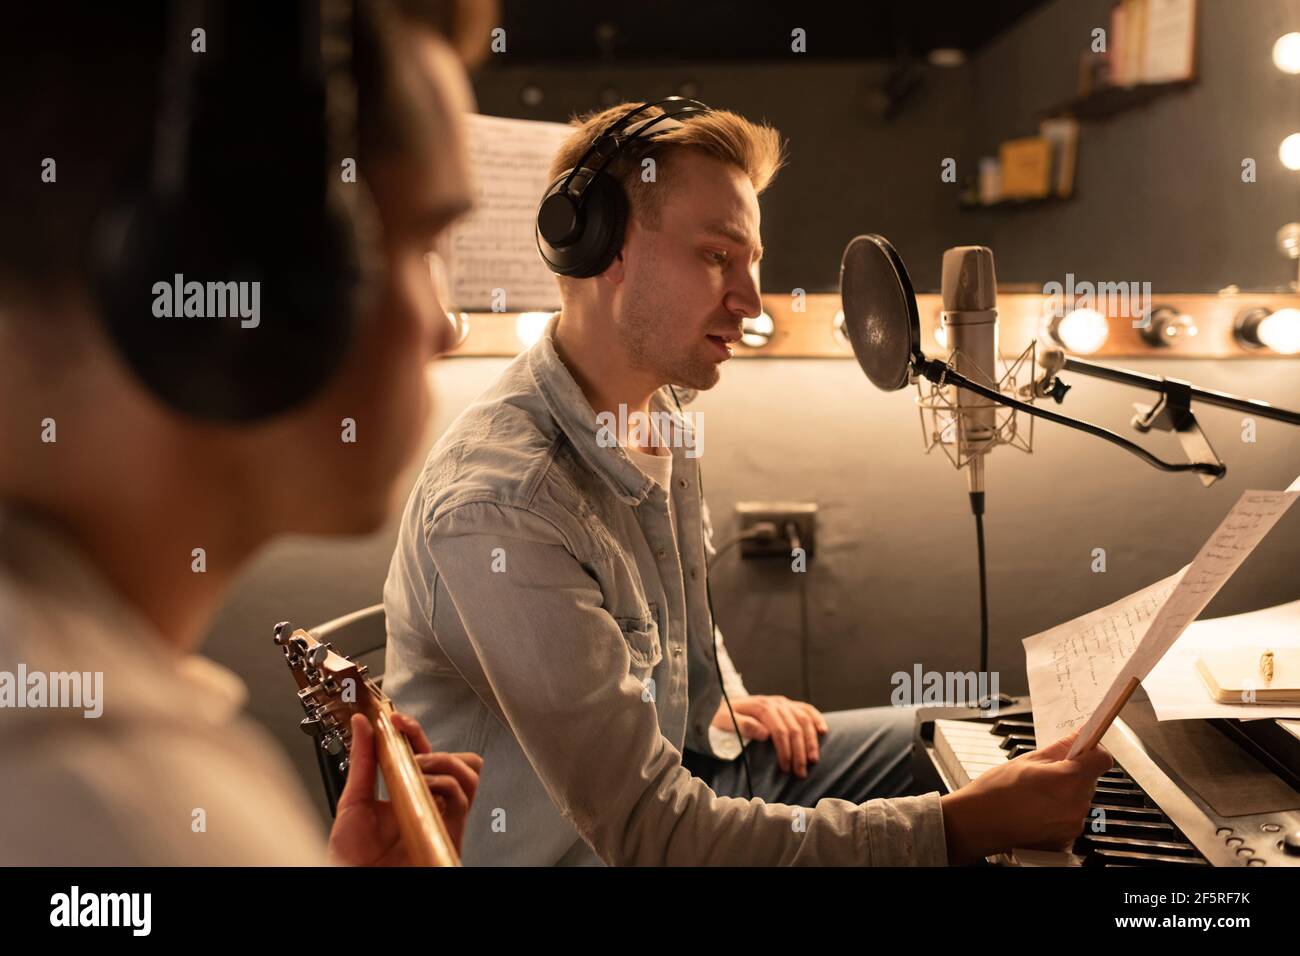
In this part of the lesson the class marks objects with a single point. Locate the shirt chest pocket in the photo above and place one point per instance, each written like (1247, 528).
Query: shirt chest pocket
(642, 637)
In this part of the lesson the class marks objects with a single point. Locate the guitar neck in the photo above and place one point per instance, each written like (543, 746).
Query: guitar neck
(421, 825)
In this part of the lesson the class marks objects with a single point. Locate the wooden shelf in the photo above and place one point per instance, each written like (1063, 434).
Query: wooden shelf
(1016, 203)
(1111, 100)
(1100, 104)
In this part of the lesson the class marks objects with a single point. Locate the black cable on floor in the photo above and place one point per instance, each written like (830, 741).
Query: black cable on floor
(803, 636)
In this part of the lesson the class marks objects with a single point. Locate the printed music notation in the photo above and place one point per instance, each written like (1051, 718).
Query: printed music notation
(494, 248)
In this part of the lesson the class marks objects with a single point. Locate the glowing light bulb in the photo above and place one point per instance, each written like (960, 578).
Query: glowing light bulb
(838, 331)
(530, 325)
(1289, 151)
(1082, 331)
(1281, 331)
(1286, 53)
(459, 322)
(757, 332)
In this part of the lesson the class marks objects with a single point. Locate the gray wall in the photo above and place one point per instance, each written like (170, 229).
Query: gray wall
(847, 172)
(894, 582)
(1160, 197)
(1159, 190)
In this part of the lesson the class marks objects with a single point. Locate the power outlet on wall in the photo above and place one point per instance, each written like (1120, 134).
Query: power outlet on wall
(781, 514)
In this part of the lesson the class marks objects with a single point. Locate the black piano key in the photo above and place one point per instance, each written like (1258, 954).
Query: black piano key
(1121, 812)
(1132, 789)
(1008, 726)
(1143, 844)
(1121, 795)
(1011, 741)
(1117, 783)
(1123, 782)
(1157, 829)
(1104, 856)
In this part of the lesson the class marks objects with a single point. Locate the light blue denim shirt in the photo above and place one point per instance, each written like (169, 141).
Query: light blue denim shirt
(542, 612)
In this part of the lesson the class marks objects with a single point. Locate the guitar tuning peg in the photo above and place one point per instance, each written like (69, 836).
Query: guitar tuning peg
(317, 656)
(283, 630)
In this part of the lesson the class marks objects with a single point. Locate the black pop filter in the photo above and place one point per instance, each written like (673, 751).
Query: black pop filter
(879, 311)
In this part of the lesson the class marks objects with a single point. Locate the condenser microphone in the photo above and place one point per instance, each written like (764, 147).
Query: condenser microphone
(884, 328)
(970, 322)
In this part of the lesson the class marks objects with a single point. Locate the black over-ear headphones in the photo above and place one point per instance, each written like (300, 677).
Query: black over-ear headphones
(233, 280)
(583, 216)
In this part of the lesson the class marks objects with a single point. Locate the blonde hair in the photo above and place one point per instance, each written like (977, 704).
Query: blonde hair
(756, 149)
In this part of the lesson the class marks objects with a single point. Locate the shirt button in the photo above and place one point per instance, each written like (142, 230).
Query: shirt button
(677, 651)
(661, 553)
(682, 482)
(695, 573)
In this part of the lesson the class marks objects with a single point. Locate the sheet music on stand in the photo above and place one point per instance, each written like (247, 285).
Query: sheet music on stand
(493, 248)
(1082, 672)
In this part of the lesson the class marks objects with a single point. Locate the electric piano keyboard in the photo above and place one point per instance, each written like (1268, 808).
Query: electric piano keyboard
(1143, 813)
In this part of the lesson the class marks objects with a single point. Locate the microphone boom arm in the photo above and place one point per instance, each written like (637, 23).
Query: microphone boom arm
(1172, 411)
(1158, 384)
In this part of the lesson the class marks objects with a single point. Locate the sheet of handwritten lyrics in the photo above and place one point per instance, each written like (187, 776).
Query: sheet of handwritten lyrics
(1073, 665)
(1081, 672)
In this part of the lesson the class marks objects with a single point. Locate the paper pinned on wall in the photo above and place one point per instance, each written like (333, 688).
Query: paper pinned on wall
(1083, 671)
(494, 248)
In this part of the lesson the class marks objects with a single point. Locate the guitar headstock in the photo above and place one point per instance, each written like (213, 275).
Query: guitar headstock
(331, 688)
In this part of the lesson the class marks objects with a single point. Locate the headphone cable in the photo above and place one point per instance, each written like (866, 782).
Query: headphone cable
(713, 628)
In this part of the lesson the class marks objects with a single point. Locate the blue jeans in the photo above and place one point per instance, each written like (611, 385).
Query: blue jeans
(866, 754)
